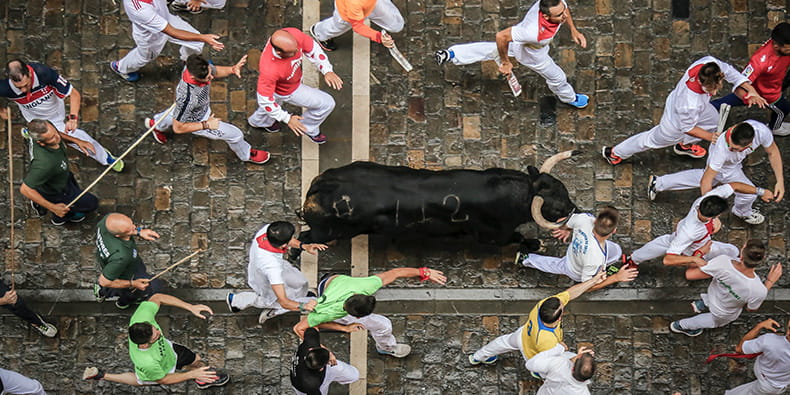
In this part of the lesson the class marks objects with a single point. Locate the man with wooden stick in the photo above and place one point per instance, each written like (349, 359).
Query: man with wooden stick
(13, 303)
(49, 184)
(123, 273)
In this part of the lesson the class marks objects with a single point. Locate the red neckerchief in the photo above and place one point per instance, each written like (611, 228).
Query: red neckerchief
(189, 79)
(266, 245)
(731, 355)
(693, 81)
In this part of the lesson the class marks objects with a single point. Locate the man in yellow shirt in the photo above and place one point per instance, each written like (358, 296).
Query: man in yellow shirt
(541, 332)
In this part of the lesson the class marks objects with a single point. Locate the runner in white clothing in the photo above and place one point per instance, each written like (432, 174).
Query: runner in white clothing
(152, 27)
(528, 42)
(691, 242)
(590, 250)
(14, 383)
(688, 115)
(278, 286)
(772, 367)
(735, 285)
(563, 372)
(724, 165)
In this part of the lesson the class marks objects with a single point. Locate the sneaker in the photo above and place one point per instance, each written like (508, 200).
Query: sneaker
(92, 373)
(273, 128)
(675, 327)
(219, 380)
(328, 45)
(487, 361)
(229, 301)
(40, 210)
(692, 150)
(536, 375)
(651, 187)
(783, 130)
(177, 7)
(259, 156)
(131, 77)
(580, 102)
(442, 56)
(400, 351)
(266, 314)
(25, 133)
(754, 219)
(699, 306)
(521, 257)
(608, 154)
(320, 139)
(97, 293)
(45, 328)
(117, 164)
(122, 306)
(77, 218)
(57, 222)
(158, 135)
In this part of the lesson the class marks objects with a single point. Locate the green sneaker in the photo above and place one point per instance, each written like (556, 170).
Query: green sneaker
(97, 293)
(117, 163)
(25, 133)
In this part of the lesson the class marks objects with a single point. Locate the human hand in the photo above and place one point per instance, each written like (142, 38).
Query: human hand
(579, 38)
(386, 40)
(313, 248)
(10, 297)
(60, 209)
(584, 350)
(212, 40)
(148, 234)
(775, 273)
(203, 374)
(141, 283)
(779, 191)
(85, 147)
(236, 69)
(627, 274)
(705, 249)
(332, 359)
(755, 98)
(198, 309)
(333, 80)
(767, 196)
(506, 67)
(769, 325)
(598, 278)
(296, 125)
(436, 276)
(561, 234)
(310, 306)
(565, 345)
(71, 125)
(213, 122)
(195, 5)
(353, 328)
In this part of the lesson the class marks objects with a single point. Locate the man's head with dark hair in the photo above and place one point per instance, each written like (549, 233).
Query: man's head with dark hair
(711, 77)
(141, 333)
(316, 358)
(197, 66)
(584, 367)
(753, 253)
(606, 221)
(550, 310)
(359, 305)
(553, 10)
(741, 136)
(713, 206)
(781, 36)
(19, 75)
(279, 233)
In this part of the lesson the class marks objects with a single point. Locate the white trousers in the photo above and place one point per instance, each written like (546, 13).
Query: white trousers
(231, 134)
(707, 321)
(150, 45)
(385, 14)
(316, 103)
(379, 327)
(342, 373)
(756, 387)
(215, 4)
(501, 345)
(658, 248)
(537, 60)
(665, 134)
(243, 300)
(100, 154)
(15, 383)
(551, 264)
(690, 179)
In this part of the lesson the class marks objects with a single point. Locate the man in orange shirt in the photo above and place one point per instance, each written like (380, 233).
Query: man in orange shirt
(351, 14)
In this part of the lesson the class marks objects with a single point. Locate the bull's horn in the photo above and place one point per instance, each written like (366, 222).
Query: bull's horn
(537, 216)
(549, 163)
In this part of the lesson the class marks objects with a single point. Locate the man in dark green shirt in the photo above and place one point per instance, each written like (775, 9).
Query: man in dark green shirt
(123, 273)
(49, 184)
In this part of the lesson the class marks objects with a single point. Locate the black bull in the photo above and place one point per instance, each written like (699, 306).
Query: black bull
(401, 202)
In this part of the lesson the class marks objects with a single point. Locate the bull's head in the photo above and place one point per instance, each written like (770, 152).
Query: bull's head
(551, 201)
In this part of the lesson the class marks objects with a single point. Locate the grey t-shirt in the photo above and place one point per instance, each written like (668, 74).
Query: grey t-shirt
(192, 98)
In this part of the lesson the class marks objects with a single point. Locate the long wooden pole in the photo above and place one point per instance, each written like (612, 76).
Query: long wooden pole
(176, 264)
(11, 262)
(109, 167)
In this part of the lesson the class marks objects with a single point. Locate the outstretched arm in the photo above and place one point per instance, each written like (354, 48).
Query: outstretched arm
(405, 272)
(775, 158)
(578, 289)
(768, 324)
(196, 309)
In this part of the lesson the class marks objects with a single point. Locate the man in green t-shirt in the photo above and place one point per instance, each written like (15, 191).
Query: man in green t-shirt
(346, 304)
(155, 358)
(123, 273)
(48, 183)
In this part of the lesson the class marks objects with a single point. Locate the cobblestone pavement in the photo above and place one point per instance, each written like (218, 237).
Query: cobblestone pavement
(194, 191)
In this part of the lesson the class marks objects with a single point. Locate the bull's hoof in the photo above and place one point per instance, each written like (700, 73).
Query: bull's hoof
(531, 245)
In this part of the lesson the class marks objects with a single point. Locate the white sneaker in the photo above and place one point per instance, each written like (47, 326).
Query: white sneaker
(754, 219)
(783, 130)
(400, 351)
(651, 188)
(266, 314)
(45, 328)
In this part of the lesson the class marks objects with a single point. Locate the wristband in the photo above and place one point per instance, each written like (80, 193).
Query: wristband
(73, 116)
(698, 253)
(204, 124)
(760, 191)
(301, 246)
(746, 96)
(139, 229)
(425, 273)
(301, 307)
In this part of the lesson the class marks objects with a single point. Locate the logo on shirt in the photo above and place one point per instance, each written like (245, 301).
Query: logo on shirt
(134, 253)
(35, 103)
(295, 65)
(770, 67)
(762, 58)
(748, 71)
(63, 165)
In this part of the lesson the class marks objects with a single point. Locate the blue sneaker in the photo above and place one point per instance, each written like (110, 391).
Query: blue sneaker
(675, 327)
(131, 77)
(487, 361)
(229, 301)
(580, 102)
(536, 375)
(77, 217)
(699, 306)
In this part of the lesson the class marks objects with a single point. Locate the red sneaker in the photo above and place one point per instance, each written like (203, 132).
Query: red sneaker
(319, 139)
(160, 137)
(610, 157)
(259, 156)
(692, 150)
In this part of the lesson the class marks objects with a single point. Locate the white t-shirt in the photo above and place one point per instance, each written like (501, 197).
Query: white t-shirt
(268, 267)
(148, 15)
(730, 290)
(774, 364)
(534, 30)
(724, 161)
(691, 233)
(556, 368)
(585, 255)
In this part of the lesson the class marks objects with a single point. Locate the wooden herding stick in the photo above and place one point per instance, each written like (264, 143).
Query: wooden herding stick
(11, 264)
(176, 264)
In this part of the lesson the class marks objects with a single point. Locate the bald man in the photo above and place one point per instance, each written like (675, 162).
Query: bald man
(123, 273)
(280, 81)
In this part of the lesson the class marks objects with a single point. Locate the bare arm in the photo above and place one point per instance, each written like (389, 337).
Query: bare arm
(195, 309)
(204, 374)
(701, 133)
(624, 275)
(191, 127)
(695, 273)
(224, 71)
(677, 260)
(59, 209)
(210, 39)
(139, 283)
(503, 40)
(775, 158)
(578, 37)
(75, 101)
(282, 299)
(405, 272)
(768, 324)
(578, 289)
(706, 183)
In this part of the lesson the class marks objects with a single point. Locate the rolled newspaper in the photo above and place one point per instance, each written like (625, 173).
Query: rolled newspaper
(398, 55)
(512, 81)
